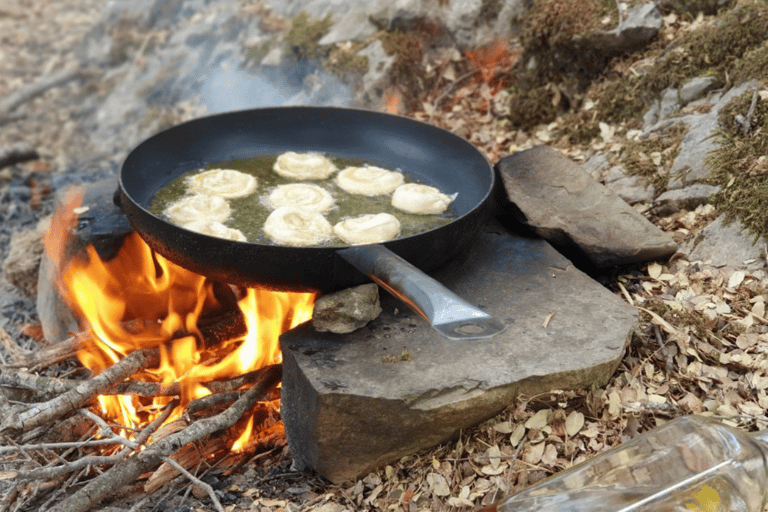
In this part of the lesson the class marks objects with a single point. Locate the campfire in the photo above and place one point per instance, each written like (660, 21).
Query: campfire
(169, 348)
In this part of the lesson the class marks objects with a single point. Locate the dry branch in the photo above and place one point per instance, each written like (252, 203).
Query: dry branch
(43, 388)
(17, 153)
(16, 352)
(51, 354)
(746, 122)
(40, 388)
(17, 98)
(228, 326)
(16, 419)
(130, 469)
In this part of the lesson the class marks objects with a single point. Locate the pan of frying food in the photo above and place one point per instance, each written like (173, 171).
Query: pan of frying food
(315, 198)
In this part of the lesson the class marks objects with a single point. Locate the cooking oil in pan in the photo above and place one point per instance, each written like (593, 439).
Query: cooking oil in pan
(249, 213)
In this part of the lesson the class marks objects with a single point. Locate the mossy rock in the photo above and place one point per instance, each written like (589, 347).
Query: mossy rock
(740, 165)
(712, 50)
(303, 38)
(533, 107)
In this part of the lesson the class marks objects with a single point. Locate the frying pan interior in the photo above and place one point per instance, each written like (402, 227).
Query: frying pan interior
(431, 154)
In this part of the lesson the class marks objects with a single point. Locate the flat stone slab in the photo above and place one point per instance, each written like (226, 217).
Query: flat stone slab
(582, 218)
(353, 402)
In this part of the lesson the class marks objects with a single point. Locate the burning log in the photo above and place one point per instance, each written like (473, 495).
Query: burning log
(227, 326)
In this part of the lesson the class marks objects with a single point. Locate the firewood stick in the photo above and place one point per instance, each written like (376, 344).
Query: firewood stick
(13, 348)
(220, 386)
(83, 462)
(43, 388)
(106, 431)
(51, 354)
(18, 98)
(21, 419)
(228, 326)
(130, 469)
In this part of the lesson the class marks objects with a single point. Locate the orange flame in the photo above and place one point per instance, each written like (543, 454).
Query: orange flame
(138, 299)
(490, 58)
(393, 101)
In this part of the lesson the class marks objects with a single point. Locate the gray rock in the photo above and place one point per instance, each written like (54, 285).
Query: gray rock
(632, 189)
(696, 88)
(375, 79)
(690, 164)
(346, 310)
(726, 244)
(351, 26)
(576, 214)
(103, 226)
(669, 104)
(641, 25)
(651, 116)
(687, 198)
(596, 165)
(465, 20)
(355, 402)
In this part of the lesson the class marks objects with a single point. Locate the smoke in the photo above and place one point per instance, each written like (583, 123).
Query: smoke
(235, 89)
(226, 88)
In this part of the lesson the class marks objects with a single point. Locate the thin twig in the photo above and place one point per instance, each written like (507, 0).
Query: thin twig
(17, 98)
(105, 430)
(746, 122)
(130, 469)
(448, 90)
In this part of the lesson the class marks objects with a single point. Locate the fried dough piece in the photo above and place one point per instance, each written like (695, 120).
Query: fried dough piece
(292, 226)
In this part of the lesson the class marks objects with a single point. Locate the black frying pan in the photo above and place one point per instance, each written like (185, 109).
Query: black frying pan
(431, 154)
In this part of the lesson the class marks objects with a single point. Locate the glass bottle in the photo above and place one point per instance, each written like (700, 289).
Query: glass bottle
(692, 463)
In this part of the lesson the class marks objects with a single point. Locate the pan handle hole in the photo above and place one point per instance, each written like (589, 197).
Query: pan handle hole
(470, 329)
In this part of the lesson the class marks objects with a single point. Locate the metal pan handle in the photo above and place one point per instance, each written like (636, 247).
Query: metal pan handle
(447, 313)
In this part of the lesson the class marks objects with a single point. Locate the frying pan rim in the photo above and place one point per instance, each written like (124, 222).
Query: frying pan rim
(404, 239)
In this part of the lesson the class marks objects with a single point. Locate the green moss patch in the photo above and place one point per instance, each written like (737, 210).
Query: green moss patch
(653, 158)
(303, 38)
(344, 61)
(740, 166)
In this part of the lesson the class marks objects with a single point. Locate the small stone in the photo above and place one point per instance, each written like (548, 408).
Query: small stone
(376, 78)
(726, 244)
(687, 198)
(347, 310)
(690, 165)
(641, 25)
(670, 103)
(696, 88)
